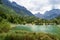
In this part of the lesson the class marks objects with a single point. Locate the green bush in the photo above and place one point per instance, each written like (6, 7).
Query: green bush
(30, 36)
(4, 26)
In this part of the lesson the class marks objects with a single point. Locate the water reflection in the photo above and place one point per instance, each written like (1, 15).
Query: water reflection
(53, 29)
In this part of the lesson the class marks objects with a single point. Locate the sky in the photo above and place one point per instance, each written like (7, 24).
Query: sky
(36, 6)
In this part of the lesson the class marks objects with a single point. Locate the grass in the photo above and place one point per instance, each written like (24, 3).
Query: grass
(25, 35)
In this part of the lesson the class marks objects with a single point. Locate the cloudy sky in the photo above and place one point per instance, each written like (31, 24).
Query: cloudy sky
(36, 6)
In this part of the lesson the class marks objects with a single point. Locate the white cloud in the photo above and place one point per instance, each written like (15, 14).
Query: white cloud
(45, 8)
(57, 6)
(35, 5)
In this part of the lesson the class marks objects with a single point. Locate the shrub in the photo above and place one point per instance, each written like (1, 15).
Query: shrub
(4, 26)
(30, 36)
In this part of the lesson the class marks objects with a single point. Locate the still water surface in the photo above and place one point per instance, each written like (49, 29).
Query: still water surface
(52, 29)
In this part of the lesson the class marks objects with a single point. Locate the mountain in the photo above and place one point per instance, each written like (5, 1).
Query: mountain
(6, 10)
(49, 14)
(52, 14)
(17, 8)
(39, 15)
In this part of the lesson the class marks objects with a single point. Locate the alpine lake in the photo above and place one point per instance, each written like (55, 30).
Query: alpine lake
(53, 30)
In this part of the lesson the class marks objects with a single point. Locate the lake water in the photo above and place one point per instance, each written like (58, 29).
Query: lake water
(52, 29)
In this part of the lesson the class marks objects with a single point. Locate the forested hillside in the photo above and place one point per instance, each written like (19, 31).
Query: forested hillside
(11, 16)
(21, 10)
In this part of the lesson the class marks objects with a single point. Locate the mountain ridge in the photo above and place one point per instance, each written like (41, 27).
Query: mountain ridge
(17, 8)
(49, 14)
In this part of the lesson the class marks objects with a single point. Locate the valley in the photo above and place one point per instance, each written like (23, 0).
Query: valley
(18, 23)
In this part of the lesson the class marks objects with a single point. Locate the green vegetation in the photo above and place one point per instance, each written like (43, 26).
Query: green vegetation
(24, 35)
(4, 26)
(30, 36)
